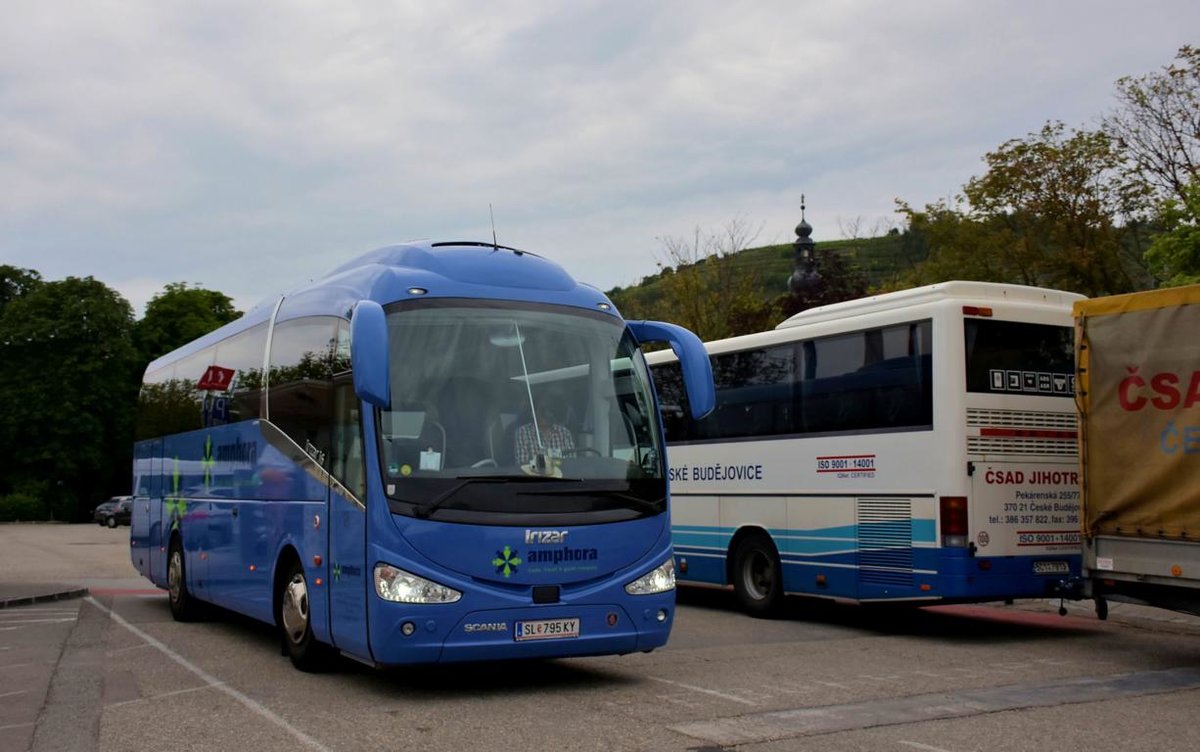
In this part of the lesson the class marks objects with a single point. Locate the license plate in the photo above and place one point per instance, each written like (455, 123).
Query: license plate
(546, 629)
(1050, 567)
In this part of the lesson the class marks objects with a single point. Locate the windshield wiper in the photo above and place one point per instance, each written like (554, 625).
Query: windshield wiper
(648, 505)
(424, 510)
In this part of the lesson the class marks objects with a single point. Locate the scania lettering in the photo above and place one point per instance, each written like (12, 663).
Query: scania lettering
(881, 450)
(342, 462)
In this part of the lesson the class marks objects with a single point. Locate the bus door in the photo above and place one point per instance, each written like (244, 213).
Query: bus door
(348, 575)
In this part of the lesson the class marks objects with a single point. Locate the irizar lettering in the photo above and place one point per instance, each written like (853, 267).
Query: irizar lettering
(546, 536)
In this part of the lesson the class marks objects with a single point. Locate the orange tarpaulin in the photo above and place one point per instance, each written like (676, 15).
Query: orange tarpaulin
(1138, 376)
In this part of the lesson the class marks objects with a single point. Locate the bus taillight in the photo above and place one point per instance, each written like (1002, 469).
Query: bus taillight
(954, 520)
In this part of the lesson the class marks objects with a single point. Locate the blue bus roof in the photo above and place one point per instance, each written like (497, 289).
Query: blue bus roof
(449, 269)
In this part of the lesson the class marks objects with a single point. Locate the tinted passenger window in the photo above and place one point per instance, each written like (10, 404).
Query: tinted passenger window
(876, 379)
(242, 356)
(300, 382)
(171, 400)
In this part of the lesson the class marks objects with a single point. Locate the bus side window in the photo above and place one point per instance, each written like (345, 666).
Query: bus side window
(300, 386)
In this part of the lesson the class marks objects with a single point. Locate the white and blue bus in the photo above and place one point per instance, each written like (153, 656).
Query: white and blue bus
(342, 462)
(916, 446)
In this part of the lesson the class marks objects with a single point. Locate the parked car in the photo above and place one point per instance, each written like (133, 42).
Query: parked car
(115, 511)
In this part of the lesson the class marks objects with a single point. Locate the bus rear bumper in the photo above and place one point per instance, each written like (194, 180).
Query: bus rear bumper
(492, 634)
(981, 578)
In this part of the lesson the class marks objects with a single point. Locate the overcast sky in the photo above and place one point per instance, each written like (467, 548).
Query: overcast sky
(251, 146)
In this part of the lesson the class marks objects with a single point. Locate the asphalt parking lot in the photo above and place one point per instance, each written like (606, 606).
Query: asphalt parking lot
(113, 671)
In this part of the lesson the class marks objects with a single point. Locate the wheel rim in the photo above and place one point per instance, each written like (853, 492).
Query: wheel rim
(758, 575)
(175, 575)
(295, 608)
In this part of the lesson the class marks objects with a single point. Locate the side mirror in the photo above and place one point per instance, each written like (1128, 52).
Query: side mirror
(369, 353)
(693, 360)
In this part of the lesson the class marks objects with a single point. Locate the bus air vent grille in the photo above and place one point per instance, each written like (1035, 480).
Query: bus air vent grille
(885, 541)
(1021, 432)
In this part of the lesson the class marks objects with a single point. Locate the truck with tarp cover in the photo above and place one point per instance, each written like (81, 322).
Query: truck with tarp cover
(1138, 377)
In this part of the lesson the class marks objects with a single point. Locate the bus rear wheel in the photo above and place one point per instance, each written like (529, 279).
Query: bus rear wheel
(295, 620)
(183, 606)
(758, 576)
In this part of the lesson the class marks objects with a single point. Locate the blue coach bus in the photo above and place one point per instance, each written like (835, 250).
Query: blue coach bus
(438, 452)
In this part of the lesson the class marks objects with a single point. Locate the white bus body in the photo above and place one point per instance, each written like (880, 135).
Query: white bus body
(912, 446)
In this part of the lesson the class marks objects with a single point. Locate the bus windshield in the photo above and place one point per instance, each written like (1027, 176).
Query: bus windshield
(550, 400)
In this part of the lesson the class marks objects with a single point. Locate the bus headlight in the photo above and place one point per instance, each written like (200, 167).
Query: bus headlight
(657, 580)
(394, 584)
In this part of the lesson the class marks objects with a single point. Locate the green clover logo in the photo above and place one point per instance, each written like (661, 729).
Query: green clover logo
(506, 561)
(176, 504)
(208, 462)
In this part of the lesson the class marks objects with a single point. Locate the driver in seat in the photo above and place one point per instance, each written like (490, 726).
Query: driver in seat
(544, 435)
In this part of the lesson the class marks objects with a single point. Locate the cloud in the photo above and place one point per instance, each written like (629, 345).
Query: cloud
(248, 148)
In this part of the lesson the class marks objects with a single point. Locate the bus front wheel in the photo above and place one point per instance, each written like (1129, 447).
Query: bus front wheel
(758, 576)
(295, 620)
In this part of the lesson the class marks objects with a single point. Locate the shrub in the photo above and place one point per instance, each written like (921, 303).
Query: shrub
(21, 507)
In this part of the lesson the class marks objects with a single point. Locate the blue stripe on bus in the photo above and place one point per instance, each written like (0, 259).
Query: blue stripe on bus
(813, 540)
(936, 573)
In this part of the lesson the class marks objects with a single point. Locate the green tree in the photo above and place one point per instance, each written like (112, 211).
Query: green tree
(702, 285)
(1174, 254)
(68, 390)
(178, 315)
(1157, 125)
(1052, 210)
(16, 282)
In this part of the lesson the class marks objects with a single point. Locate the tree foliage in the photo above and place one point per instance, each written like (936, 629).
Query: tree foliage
(703, 286)
(68, 387)
(1157, 125)
(16, 282)
(1052, 210)
(180, 314)
(1174, 255)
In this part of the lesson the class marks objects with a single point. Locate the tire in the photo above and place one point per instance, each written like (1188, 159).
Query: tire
(111, 522)
(295, 620)
(184, 607)
(758, 576)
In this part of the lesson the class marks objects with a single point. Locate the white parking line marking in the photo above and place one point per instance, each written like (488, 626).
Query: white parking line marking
(14, 694)
(909, 709)
(713, 692)
(15, 725)
(918, 745)
(213, 681)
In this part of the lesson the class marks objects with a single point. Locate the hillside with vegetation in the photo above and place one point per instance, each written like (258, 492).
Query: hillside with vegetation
(763, 272)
